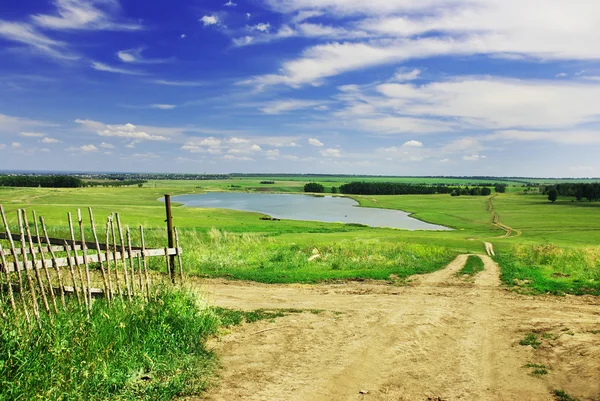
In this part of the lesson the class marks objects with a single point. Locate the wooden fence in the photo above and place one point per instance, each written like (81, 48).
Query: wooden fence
(39, 270)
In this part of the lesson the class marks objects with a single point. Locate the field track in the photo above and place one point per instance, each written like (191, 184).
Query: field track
(441, 337)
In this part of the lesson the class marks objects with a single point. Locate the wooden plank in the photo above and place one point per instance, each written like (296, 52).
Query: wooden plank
(95, 258)
(57, 242)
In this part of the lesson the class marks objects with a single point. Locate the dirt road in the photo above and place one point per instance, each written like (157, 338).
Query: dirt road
(440, 338)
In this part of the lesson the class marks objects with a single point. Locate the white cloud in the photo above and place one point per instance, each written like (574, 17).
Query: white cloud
(567, 137)
(107, 68)
(305, 15)
(210, 142)
(230, 3)
(237, 158)
(255, 148)
(10, 124)
(262, 27)
(413, 144)
(50, 140)
(32, 134)
(30, 36)
(315, 142)
(177, 83)
(445, 160)
(235, 140)
(242, 41)
(16, 145)
(331, 153)
(127, 131)
(469, 103)
(208, 20)
(84, 14)
(135, 56)
(182, 36)
(107, 145)
(473, 158)
(403, 76)
(283, 32)
(403, 30)
(85, 148)
(163, 106)
(561, 75)
(248, 15)
(281, 106)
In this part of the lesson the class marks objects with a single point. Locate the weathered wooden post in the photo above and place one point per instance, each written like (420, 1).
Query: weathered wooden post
(171, 259)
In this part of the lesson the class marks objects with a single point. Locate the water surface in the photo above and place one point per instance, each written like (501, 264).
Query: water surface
(329, 209)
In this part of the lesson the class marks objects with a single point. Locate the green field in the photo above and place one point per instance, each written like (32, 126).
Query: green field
(239, 245)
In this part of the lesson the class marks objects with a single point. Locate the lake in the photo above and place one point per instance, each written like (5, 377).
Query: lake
(329, 209)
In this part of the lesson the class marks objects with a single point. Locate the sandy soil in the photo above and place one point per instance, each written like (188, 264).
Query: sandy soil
(441, 337)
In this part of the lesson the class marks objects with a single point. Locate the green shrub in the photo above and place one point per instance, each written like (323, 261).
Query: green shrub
(138, 351)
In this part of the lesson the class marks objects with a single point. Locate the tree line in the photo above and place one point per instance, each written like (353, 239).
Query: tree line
(44, 181)
(61, 181)
(581, 191)
(391, 188)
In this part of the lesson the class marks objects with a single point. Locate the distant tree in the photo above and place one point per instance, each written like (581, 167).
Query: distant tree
(552, 195)
(485, 191)
(456, 192)
(140, 185)
(500, 188)
(334, 190)
(314, 187)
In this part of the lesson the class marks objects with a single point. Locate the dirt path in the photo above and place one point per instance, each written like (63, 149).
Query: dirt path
(508, 231)
(441, 336)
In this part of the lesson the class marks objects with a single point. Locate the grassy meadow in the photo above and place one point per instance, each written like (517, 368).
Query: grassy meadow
(238, 245)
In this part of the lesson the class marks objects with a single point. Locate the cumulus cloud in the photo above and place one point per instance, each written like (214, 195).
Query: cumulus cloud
(126, 131)
(208, 20)
(16, 145)
(315, 142)
(84, 148)
(262, 27)
(413, 144)
(50, 140)
(230, 3)
(331, 153)
(107, 145)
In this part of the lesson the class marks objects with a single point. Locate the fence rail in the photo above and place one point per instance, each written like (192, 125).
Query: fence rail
(38, 271)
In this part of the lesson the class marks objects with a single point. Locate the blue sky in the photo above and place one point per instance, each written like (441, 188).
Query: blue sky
(398, 87)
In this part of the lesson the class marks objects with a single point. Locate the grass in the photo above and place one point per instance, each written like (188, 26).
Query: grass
(281, 248)
(531, 339)
(537, 369)
(560, 395)
(261, 258)
(473, 266)
(550, 269)
(235, 317)
(138, 351)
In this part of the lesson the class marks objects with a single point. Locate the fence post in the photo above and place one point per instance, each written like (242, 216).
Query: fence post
(170, 238)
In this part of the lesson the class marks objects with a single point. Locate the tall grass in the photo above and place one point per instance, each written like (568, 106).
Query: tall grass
(262, 258)
(138, 351)
(551, 269)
